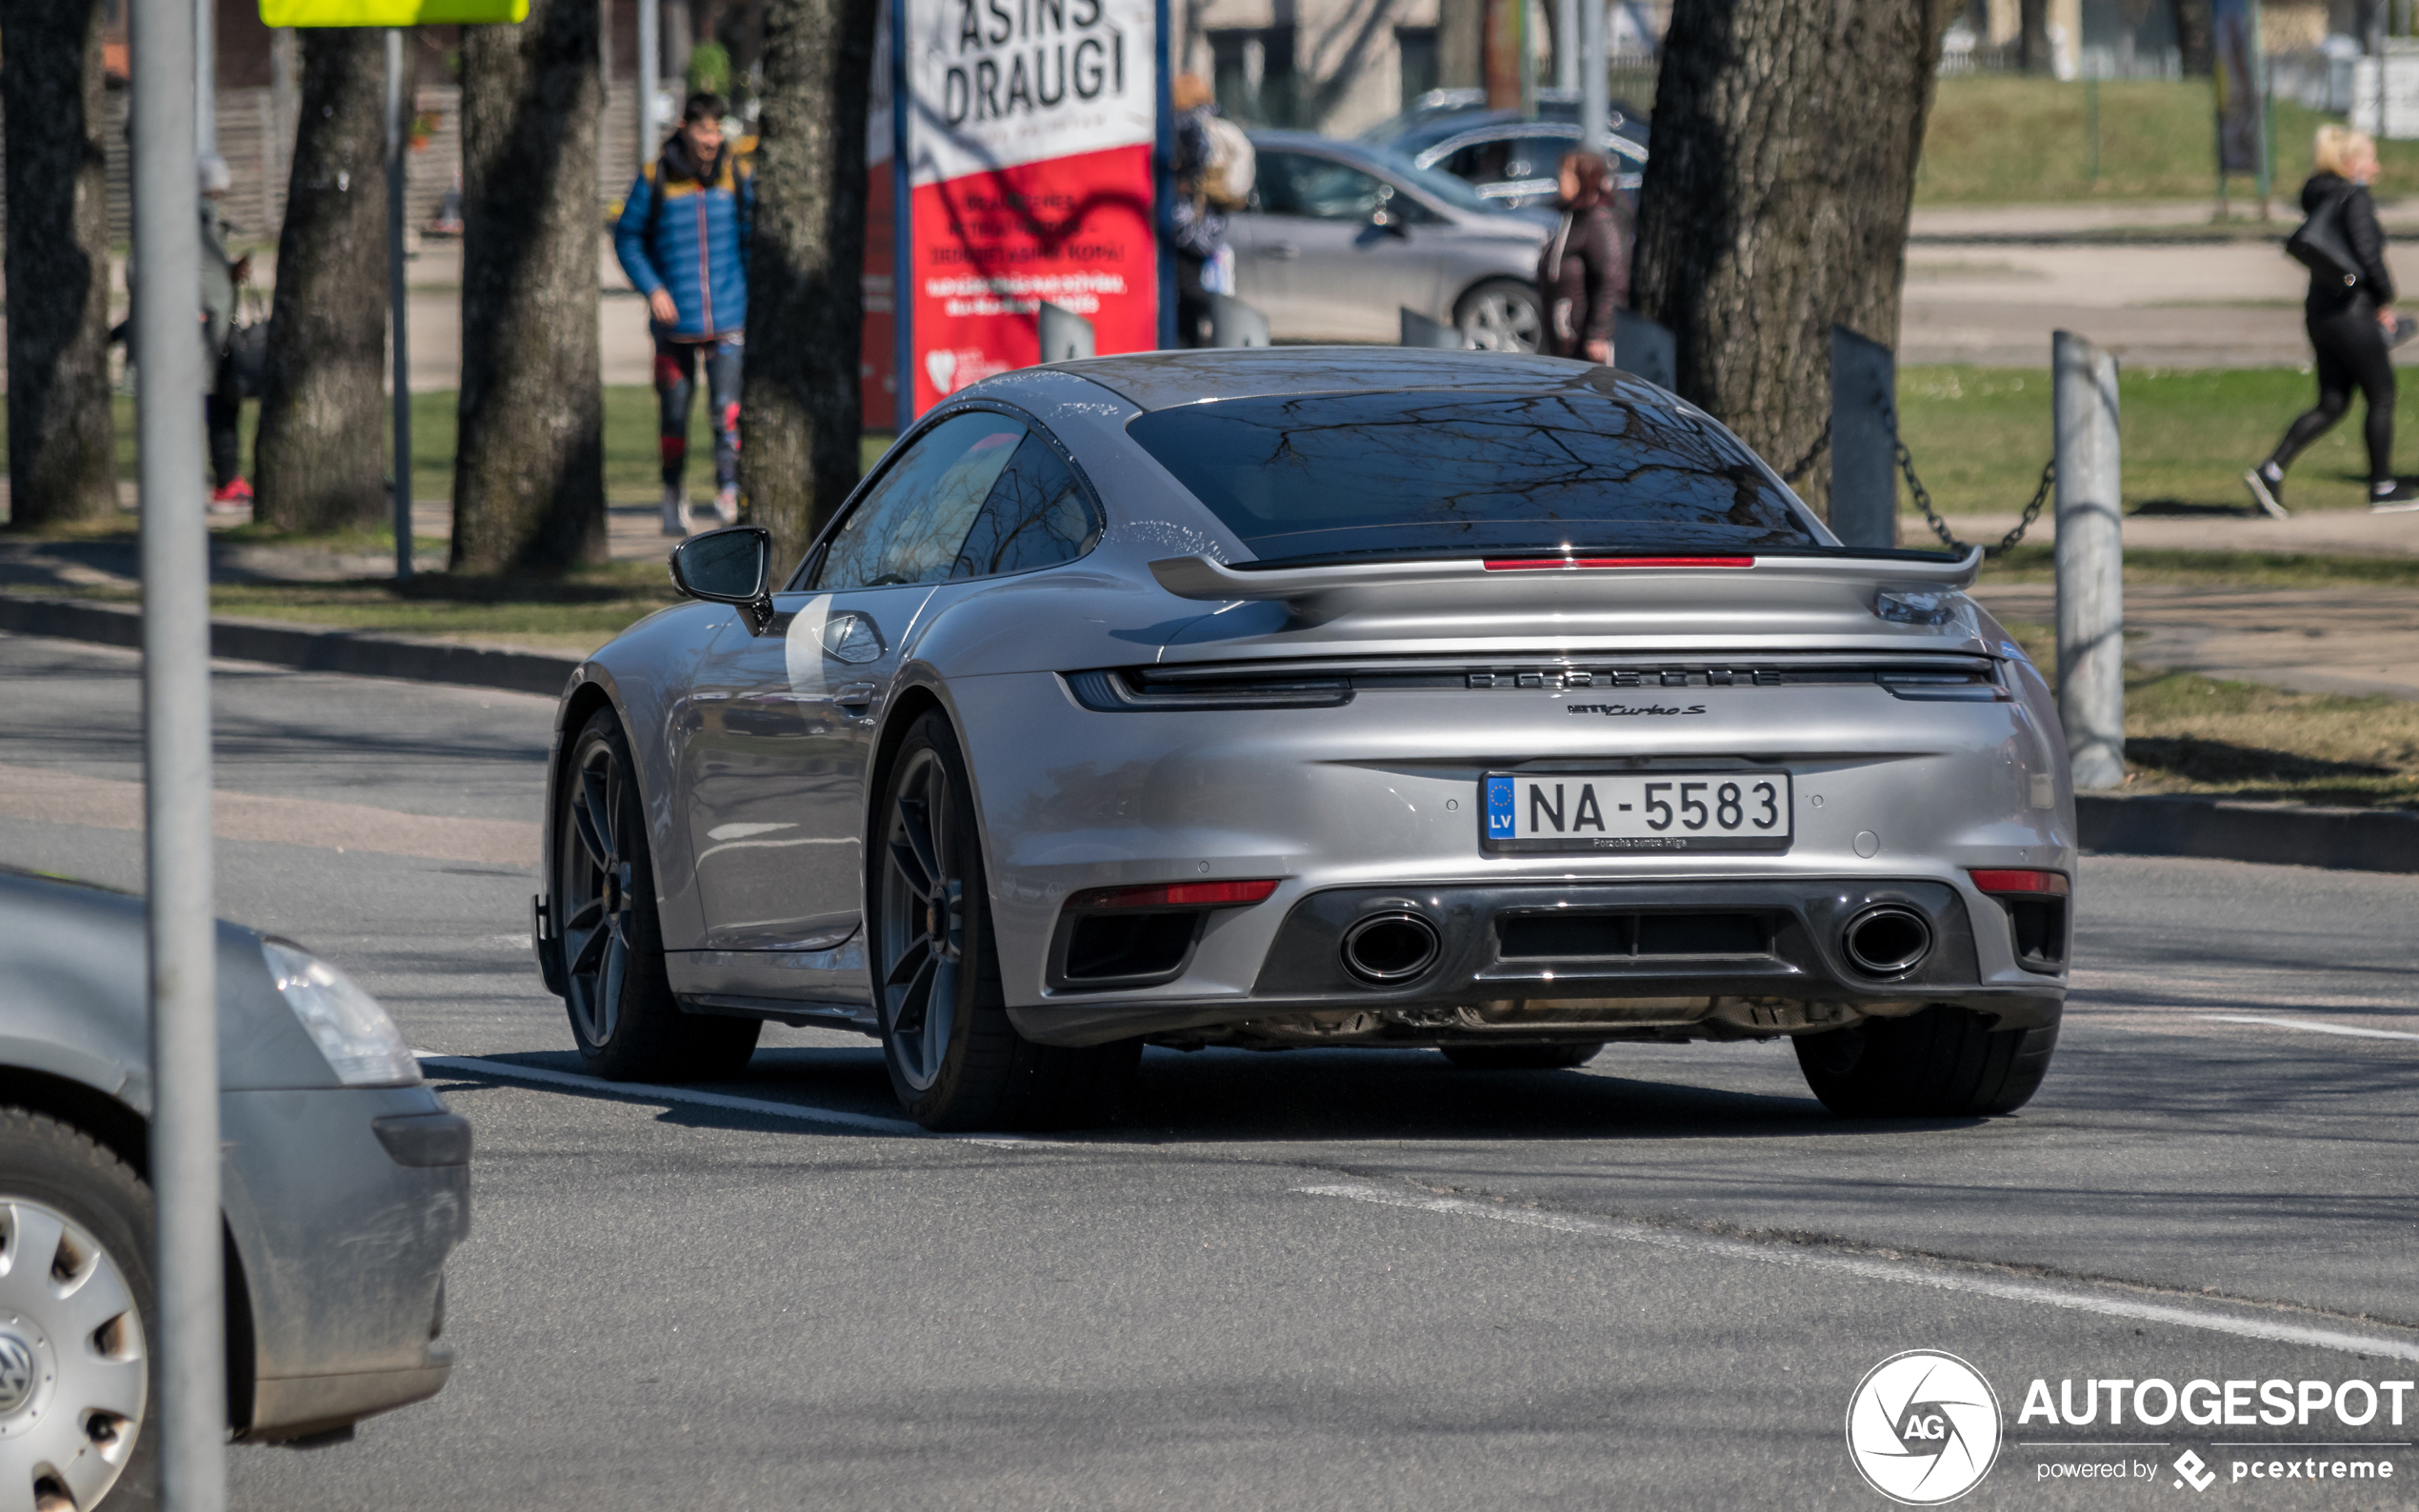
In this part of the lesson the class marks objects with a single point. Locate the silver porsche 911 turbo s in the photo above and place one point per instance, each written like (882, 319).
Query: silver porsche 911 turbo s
(1286, 697)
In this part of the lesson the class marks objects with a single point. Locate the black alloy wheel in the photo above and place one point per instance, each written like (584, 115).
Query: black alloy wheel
(955, 1061)
(1942, 1062)
(623, 1014)
(1521, 1057)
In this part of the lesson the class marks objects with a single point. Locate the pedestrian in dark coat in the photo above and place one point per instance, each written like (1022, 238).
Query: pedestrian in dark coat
(1584, 276)
(2350, 321)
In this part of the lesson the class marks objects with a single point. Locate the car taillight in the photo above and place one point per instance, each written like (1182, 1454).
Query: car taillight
(1548, 564)
(1176, 895)
(2007, 881)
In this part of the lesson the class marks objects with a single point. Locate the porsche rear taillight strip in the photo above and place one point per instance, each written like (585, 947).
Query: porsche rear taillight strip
(1176, 895)
(2002, 881)
(1567, 564)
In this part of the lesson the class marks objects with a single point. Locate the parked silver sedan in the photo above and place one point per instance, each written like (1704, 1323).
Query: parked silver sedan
(1314, 696)
(346, 1184)
(1341, 237)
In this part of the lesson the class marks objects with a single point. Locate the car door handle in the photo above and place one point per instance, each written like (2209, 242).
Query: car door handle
(1281, 251)
(854, 695)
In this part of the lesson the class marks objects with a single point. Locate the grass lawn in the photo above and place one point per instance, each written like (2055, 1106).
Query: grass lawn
(2186, 733)
(1979, 436)
(2019, 141)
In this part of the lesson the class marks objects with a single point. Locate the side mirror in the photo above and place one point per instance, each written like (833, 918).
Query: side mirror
(730, 566)
(1385, 219)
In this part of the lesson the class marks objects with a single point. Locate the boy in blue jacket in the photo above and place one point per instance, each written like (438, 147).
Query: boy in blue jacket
(683, 240)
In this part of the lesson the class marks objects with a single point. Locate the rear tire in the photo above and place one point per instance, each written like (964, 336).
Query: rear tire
(955, 1061)
(1500, 315)
(627, 1023)
(1942, 1062)
(88, 1415)
(1521, 1057)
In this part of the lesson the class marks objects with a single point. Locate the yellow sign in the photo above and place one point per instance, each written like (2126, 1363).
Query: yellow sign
(391, 12)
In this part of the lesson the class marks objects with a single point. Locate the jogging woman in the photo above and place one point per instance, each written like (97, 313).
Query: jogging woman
(2350, 320)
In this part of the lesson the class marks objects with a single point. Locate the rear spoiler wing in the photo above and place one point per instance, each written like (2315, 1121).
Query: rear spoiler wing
(1309, 589)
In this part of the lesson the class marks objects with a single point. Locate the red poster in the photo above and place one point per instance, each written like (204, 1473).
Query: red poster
(1029, 133)
(989, 248)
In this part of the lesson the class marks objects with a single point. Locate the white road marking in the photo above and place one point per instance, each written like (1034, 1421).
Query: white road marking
(1902, 1272)
(2308, 1026)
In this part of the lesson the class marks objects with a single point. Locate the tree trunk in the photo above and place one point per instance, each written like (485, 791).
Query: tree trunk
(1786, 136)
(2192, 38)
(62, 461)
(529, 470)
(322, 401)
(2033, 35)
(799, 400)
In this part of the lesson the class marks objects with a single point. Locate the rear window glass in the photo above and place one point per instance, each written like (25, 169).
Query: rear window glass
(1326, 477)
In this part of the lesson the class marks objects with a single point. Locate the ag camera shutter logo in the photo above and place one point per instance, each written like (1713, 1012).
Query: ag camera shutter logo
(1923, 1428)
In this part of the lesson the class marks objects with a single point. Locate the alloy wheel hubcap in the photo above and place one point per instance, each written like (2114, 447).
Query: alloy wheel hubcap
(74, 1373)
(596, 892)
(923, 935)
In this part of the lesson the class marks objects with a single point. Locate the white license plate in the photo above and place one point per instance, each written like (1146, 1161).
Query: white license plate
(1637, 810)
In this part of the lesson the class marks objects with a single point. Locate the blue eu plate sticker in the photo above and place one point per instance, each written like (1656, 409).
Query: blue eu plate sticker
(1499, 809)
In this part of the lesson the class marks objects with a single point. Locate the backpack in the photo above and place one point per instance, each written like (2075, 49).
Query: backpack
(1231, 165)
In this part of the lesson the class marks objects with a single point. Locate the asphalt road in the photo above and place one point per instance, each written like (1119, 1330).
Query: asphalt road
(1316, 1279)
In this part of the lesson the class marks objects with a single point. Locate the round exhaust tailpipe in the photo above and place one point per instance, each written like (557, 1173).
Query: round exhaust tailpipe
(1386, 948)
(1887, 940)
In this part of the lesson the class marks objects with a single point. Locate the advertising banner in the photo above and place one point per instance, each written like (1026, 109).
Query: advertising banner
(1030, 129)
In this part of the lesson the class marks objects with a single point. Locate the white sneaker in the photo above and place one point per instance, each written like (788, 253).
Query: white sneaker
(675, 510)
(2265, 490)
(727, 503)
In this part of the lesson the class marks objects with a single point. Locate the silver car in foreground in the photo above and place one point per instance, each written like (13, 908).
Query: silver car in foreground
(1290, 697)
(1341, 238)
(346, 1184)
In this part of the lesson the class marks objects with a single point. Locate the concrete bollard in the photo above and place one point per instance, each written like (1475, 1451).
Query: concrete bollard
(2090, 557)
(1232, 322)
(1418, 331)
(1863, 441)
(1064, 334)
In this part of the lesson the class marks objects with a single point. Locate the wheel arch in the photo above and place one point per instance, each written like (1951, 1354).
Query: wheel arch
(126, 1135)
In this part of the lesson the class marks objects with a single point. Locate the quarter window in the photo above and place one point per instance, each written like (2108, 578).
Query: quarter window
(1036, 517)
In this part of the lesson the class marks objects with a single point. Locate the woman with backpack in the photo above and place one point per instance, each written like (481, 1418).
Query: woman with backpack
(2349, 316)
(1583, 278)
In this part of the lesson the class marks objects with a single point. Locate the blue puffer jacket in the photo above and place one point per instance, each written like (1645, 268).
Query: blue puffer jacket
(690, 237)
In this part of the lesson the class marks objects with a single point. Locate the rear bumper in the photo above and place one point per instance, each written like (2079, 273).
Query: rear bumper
(1705, 959)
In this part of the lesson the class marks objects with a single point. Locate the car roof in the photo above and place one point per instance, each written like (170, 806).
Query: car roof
(1164, 380)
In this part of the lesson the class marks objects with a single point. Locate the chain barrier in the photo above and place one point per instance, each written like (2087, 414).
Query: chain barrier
(1922, 496)
(1806, 464)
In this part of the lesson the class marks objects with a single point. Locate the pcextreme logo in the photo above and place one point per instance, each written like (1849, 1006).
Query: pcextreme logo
(1923, 1428)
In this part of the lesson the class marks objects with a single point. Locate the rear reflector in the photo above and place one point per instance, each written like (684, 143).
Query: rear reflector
(1551, 563)
(1176, 895)
(1996, 882)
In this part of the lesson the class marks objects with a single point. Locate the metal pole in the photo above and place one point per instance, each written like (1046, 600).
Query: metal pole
(205, 77)
(2091, 561)
(181, 927)
(649, 53)
(1566, 44)
(399, 338)
(1595, 88)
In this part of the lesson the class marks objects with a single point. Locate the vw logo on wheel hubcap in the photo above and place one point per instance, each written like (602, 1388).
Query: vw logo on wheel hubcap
(16, 1372)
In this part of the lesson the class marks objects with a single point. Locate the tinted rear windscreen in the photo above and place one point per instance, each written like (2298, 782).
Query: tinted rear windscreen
(1458, 473)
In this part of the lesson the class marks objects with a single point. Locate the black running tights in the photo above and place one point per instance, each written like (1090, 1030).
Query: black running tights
(2351, 354)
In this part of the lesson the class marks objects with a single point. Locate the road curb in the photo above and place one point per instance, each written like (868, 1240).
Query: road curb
(303, 647)
(2277, 835)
